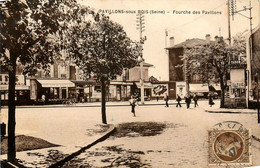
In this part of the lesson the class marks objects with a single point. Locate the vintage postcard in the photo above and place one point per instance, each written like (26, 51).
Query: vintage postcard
(130, 83)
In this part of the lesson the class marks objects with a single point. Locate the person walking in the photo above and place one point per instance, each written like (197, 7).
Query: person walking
(166, 99)
(157, 97)
(178, 100)
(195, 99)
(133, 104)
(187, 100)
(211, 100)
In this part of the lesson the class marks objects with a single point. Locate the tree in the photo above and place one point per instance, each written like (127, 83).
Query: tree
(28, 37)
(101, 49)
(211, 61)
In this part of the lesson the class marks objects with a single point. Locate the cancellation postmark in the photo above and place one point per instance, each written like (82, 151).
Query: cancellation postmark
(229, 144)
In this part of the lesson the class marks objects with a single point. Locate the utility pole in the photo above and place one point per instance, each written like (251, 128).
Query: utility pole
(228, 10)
(257, 89)
(250, 40)
(140, 26)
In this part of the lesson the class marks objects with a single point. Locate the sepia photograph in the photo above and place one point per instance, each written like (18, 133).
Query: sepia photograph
(130, 83)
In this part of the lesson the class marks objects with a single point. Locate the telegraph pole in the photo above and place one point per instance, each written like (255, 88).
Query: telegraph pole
(140, 26)
(228, 10)
(234, 11)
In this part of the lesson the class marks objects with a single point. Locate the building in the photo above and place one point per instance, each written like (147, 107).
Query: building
(22, 90)
(129, 83)
(177, 77)
(65, 81)
(253, 66)
(61, 82)
(236, 94)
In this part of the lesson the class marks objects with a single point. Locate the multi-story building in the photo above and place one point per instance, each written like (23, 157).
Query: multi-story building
(22, 91)
(177, 77)
(253, 66)
(64, 81)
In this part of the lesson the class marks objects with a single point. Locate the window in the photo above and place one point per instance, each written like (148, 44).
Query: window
(63, 75)
(1, 78)
(6, 78)
(97, 89)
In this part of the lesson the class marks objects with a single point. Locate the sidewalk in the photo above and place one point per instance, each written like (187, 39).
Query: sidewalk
(98, 104)
(57, 156)
(216, 109)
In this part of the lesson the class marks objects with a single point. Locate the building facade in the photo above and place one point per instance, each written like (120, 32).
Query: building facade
(177, 78)
(253, 66)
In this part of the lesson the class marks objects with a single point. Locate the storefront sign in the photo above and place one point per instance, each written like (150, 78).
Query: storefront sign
(238, 85)
(181, 89)
(160, 89)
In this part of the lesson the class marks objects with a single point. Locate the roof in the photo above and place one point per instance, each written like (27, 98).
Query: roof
(146, 64)
(188, 43)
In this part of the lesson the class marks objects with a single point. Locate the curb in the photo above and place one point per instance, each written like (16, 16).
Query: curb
(73, 106)
(230, 112)
(60, 163)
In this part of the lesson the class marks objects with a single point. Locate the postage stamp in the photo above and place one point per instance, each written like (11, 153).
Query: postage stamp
(229, 144)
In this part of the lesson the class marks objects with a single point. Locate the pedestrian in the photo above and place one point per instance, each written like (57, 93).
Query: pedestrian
(43, 99)
(187, 100)
(133, 104)
(178, 100)
(157, 97)
(211, 100)
(166, 99)
(195, 99)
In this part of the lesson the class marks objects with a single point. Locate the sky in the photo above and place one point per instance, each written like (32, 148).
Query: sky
(183, 19)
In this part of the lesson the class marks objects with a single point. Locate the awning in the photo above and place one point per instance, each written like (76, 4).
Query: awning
(146, 85)
(55, 83)
(217, 87)
(120, 83)
(81, 82)
(17, 87)
(198, 87)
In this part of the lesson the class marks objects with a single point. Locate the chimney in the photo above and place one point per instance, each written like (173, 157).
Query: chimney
(207, 37)
(171, 41)
(216, 38)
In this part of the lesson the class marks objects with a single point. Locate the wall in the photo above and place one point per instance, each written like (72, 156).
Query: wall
(175, 73)
(134, 74)
(256, 53)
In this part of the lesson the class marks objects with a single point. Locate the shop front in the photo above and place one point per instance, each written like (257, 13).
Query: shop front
(120, 91)
(201, 90)
(51, 91)
(22, 91)
(237, 89)
(148, 87)
(22, 95)
(83, 90)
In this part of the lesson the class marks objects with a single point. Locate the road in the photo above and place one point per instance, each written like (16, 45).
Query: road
(183, 143)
